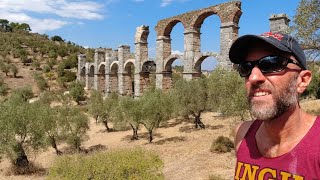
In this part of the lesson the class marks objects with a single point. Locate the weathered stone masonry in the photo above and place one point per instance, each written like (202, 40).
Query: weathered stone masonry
(121, 71)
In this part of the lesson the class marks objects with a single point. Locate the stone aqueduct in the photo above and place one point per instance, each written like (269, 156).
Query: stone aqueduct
(121, 71)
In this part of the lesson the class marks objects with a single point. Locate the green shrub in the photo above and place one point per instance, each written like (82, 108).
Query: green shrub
(120, 164)
(222, 145)
(69, 76)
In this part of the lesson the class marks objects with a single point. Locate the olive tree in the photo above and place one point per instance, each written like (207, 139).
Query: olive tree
(227, 93)
(306, 27)
(129, 112)
(96, 104)
(74, 125)
(20, 128)
(156, 107)
(191, 98)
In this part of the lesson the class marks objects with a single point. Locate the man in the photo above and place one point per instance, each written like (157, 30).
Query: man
(284, 141)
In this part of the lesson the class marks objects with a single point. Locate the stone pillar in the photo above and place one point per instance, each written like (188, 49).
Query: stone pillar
(228, 34)
(191, 49)
(81, 64)
(163, 50)
(107, 72)
(141, 56)
(95, 78)
(123, 55)
(279, 23)
(87, 76)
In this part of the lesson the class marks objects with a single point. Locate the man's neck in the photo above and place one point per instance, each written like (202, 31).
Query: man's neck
(278, 136)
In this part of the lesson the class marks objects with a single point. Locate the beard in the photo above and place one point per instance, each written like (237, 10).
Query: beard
(283, 100)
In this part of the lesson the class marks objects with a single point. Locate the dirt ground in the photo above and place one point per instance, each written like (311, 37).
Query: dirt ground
(184, 150)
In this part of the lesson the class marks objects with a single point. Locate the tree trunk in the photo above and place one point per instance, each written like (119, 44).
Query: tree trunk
(22, 159)
(96, 118)
(135, 133)
(198, 122)
(105, 122)
(54, 145)
(150, 136)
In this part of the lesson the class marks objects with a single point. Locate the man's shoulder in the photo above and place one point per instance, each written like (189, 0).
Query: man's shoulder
(240, 131)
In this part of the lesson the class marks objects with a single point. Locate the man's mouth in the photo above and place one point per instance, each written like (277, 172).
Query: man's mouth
(259, 94)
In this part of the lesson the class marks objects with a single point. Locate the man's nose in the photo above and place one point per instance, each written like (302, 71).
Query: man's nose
(256, 76)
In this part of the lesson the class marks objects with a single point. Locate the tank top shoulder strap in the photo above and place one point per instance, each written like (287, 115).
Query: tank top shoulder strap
(253, 129)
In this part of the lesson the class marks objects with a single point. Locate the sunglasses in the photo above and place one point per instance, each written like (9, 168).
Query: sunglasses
(267, 64)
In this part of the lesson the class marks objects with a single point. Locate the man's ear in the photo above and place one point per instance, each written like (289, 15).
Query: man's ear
(304, 80)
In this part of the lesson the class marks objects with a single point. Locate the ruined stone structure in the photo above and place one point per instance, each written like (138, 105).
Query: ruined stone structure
(130, 74)
(229, 14)
(120, 71)
(279, 23)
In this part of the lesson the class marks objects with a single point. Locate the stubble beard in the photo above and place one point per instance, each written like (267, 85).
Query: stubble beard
(283, 99)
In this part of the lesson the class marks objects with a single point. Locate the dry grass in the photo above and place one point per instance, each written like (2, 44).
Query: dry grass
(184, 150)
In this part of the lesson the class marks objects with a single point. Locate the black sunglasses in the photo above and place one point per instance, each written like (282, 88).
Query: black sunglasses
(267, 64)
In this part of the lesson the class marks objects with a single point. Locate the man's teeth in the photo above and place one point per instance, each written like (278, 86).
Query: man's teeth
(257, 94)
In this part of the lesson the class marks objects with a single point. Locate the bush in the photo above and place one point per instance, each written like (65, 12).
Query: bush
(121, 164)
(222, 145)
(69, 76)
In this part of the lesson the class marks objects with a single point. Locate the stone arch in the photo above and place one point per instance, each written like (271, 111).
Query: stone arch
(167, 74)
(169, 61)
(229, 14)
(129, 69)
(101, 77)
(164, 27)
(198, 20)
(114, 68)
(147, 75)
(91, 77)
(198, 61)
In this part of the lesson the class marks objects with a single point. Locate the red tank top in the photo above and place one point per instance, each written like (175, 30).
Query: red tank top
(302, 162)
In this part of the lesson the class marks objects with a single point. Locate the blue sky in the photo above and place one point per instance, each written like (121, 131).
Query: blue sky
(110, 23)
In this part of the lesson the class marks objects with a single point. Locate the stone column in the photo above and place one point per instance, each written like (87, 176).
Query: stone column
(107, 72)
(87, 76)
(163, 50)
(228, 34)
(141, 56)
(123, 54)
(95, 77)
(81, 64)
(191, 49)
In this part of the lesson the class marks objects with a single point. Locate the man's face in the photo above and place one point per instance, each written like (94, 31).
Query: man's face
(272, 94)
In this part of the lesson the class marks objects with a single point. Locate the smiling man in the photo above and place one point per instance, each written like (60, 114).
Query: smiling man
(284, 141)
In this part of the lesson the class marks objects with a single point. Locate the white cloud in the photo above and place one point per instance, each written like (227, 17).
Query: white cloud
(176, 52)
(49, 14)
(138, 0)
(37, 25)
(165, 3)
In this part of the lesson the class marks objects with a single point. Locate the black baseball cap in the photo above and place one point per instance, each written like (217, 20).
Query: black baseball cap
(281, 41)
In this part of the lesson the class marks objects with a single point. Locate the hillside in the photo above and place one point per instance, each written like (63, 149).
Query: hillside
(22, 54)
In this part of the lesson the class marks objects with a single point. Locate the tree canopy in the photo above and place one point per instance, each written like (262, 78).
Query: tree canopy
(306, 27)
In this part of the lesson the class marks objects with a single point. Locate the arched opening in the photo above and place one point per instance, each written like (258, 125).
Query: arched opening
(173, 72)
(129, 78)
(147, 75)
(210, 39)
(173, 68)
(91, 77)
(204, 66)
(114, 77)
(101, 78)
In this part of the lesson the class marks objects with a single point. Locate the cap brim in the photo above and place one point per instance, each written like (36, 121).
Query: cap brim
(239, 49)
